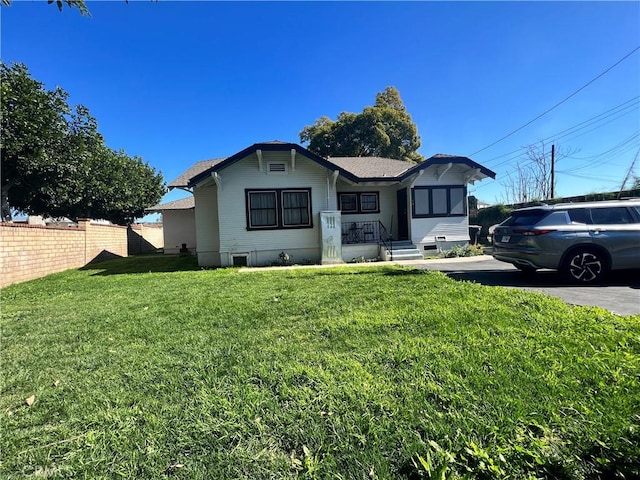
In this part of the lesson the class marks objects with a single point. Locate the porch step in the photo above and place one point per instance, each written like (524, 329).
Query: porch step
(405, 251)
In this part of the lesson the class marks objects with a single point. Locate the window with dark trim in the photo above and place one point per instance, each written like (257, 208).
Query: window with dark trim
(441, 201)
(278, 208)
(359, 202)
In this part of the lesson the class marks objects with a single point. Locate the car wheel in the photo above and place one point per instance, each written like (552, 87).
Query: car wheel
(526, 269)
(585, 266)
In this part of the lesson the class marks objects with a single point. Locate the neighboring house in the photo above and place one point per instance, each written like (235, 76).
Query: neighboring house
(179, 225)
(279, 197)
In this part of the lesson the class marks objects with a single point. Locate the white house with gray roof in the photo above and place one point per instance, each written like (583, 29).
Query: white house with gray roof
(279, 197)
(178, 225)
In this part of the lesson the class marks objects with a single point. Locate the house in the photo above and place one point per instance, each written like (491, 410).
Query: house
(179, 225)
(278, 197)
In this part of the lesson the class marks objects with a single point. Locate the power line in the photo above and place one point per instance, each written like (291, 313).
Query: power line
(559, 103)
(571, 130)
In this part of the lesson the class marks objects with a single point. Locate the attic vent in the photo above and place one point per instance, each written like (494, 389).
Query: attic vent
(276, 167)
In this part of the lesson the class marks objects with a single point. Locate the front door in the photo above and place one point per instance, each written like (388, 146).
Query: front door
(403, 217)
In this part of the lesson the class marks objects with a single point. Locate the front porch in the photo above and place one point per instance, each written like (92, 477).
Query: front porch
(361, 240)
(364, 232)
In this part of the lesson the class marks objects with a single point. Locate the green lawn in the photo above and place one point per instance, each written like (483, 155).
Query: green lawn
(150, 368)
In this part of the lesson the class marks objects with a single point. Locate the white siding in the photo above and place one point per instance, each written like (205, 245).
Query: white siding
(425, 231)
(206, 216)
(179, 227)
(263, 246)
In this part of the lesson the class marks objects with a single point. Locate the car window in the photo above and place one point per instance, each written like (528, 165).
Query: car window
(557, 217)
(611, 216)
(525, 217)
(578, 215)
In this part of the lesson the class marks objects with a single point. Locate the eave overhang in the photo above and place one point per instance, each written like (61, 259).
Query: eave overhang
(445, 160)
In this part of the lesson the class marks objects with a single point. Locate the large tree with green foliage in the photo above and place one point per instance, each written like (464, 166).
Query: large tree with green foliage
(382, 130)
(55, 162)
(79, 4)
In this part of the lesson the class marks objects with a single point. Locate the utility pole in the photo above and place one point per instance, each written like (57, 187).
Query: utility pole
(553, 169)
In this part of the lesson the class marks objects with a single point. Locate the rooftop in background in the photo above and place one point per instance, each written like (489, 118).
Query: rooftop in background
(183, 180)
(186, 203)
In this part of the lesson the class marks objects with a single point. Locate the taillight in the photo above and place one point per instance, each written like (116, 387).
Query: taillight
(531, 233)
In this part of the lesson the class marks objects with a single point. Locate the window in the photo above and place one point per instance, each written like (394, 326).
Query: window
(262, 209)
(611, 216)
(295, 208)
(348, 202)
(443, 201)
(359, 202)
(278, 208)
(369, 202)
(578, 215)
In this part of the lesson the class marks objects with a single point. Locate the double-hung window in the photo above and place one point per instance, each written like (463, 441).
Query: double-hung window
(441, 201)
(359, 202)
(278, 208)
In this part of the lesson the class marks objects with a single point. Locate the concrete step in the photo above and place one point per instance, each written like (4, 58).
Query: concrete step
(405, 251)
(408, 256)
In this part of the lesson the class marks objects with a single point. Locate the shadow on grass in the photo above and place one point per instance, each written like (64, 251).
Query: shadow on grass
(360, 269)
(143, 264)
(543, 278)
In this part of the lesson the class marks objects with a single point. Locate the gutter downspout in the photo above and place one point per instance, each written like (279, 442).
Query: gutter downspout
(334, 179)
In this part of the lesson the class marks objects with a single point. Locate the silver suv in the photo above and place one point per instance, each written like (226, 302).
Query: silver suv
(582, 240)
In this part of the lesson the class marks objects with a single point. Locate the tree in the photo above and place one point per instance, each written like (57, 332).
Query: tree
(532, 177)
(79, 4)
(382, 130)
(55, 162)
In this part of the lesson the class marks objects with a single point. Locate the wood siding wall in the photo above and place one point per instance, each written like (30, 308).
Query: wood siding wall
(262, 246)
(425, 230)
(179, 227)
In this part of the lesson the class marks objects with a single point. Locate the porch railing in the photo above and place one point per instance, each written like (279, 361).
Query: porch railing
(364, 232)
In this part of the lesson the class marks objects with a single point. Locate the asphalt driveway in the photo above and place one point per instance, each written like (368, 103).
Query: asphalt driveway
(619, 293)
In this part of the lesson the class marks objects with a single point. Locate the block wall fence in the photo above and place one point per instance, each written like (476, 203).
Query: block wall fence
(28, 251)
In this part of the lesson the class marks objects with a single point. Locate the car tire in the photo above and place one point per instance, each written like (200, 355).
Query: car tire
(585, 266)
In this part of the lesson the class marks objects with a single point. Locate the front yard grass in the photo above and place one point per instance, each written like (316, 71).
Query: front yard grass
(136, 369)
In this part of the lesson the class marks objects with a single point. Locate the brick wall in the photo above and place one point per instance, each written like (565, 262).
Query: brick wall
(28, 251)
(145, 237)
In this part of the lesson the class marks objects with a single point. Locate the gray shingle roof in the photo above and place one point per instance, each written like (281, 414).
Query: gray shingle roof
(195, 169)
(372, 167)
(182, 204)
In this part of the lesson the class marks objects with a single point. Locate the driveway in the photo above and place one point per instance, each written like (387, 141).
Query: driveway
(619, 293)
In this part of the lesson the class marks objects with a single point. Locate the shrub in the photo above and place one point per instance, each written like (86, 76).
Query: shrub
(461, 251)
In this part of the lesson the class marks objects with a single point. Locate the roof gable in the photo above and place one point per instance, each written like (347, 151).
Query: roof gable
(269, 146)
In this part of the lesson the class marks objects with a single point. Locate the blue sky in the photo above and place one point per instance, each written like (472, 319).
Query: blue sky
(177, 82)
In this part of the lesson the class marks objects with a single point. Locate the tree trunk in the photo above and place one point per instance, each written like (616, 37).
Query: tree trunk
(6, 209)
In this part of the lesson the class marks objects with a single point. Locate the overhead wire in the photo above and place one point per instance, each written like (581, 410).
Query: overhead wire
(559, 103)
(575, 128)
